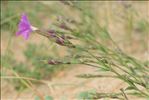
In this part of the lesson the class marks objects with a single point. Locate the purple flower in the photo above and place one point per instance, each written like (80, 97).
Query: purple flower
(25, 27)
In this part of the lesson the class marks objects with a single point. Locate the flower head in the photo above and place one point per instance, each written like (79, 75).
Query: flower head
(25, 27)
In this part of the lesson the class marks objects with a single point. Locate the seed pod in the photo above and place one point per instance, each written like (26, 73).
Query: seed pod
(65, 27)
(53, 62)
(60, 41)
(52, 33)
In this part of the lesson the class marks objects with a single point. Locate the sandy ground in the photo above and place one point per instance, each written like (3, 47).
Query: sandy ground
(65, 86)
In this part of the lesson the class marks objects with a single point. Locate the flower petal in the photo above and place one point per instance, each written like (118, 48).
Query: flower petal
(24, 27)
(24, 23)
(24, 19)
(26, 34)
(20, 32)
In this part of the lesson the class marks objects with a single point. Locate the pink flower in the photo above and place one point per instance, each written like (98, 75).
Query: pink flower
(24, 27)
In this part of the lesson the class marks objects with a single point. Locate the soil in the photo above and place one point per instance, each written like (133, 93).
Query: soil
(65, 85)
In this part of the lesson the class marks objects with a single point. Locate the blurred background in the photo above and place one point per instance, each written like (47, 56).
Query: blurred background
(127, 22)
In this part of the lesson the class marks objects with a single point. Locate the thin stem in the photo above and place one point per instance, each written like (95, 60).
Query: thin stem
(26, 78)
(124, 78)
(9, 19)
(124, 94)
(96, 76)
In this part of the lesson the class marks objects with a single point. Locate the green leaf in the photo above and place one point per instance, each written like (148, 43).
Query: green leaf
(104, 69)
(104, 34)
(86, 95)
(130, 88)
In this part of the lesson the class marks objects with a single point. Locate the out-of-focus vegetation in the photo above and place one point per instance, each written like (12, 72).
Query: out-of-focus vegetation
(95, 44)
(33, 65)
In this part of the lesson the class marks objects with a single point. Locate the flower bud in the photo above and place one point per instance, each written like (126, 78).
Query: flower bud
(52, 33)
(63, 26)
(60, 41)
(53, 62)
